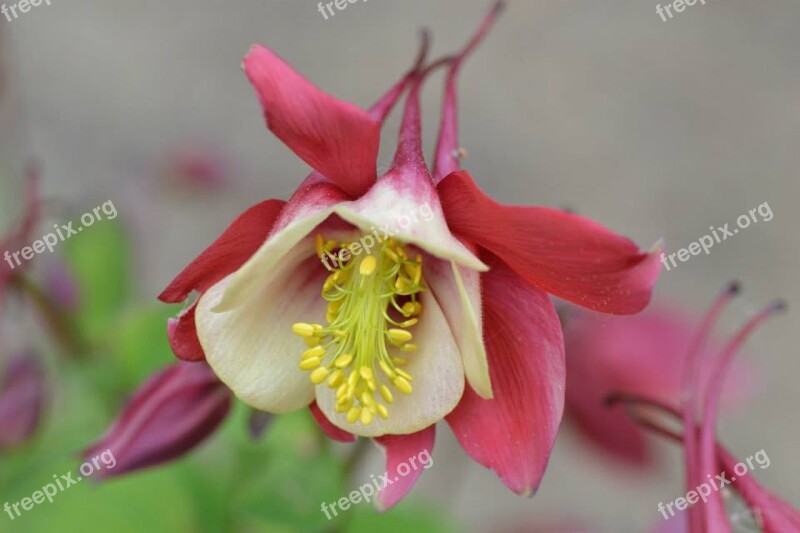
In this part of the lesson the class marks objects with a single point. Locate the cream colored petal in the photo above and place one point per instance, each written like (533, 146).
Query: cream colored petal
(254, 273)
(438, 381)
(459, 291)
(251, 346)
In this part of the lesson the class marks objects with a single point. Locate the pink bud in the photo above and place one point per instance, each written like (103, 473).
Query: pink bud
(173, 412)
(22, 398)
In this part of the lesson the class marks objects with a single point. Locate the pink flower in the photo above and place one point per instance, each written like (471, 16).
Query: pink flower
(641, 355)
(705, 457)
(171, 414)
(23, 394)
(448, 318)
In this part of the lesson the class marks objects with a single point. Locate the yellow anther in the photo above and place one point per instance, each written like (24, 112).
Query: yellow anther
(335, 379)
(408, 323)
(353, 414)
(312, 341)
(344, 405)
(371, 385)
(352, 379)
(382, 411)
(367, 399)
(319, 375)
(368, 265)
(316, 351)
(386, 394)
(401, 285)
(341, 392)
(402, 385)
(310, 363)
(408, 348)
(386, 369)
(302, 329)
(366, 373)
(409, 308)
(344, 360)
(404, 374)
(399, 336)
(366, 417)
(399, 361)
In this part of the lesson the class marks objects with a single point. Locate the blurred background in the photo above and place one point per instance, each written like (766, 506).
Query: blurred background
(655, 129)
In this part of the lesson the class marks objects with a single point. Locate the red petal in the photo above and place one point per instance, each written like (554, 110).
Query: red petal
(182, 334)
(404, 451)
(229, 252)
(514, 433)
(328, 428)
(561, 253)
(336, 138)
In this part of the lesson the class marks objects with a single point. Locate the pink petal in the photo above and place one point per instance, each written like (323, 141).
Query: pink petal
(336, 138)
(563, 254)
(328, 428)
(514, 433)
(405, 451)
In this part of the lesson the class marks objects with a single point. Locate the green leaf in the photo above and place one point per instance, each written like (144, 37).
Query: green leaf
(99, 257)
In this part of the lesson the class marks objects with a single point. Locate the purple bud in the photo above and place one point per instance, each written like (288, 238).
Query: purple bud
(172, 413)
(258, 422)
(22, 397)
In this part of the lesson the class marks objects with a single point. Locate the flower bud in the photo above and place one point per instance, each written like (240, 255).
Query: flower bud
(23, 394)
(172, 413)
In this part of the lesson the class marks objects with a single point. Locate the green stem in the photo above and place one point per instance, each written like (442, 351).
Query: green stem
(58, 322)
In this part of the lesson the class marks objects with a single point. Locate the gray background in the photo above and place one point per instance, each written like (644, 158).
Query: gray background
(657, 130)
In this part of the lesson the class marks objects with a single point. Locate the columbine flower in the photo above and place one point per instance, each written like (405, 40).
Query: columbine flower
(643, 354)
(171, 413)
(449, 317)
(23, 394)
(705, 457)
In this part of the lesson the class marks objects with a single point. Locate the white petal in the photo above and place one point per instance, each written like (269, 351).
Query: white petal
(251, 347)
(258, 270)
(411, 215)
(438, 381)
(459, 290)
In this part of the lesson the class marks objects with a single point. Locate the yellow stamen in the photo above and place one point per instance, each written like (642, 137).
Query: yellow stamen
(310, 364)
(365, 321)
(302, 329)
(319, 375)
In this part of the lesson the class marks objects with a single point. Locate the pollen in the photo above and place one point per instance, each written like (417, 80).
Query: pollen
(372, 303)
